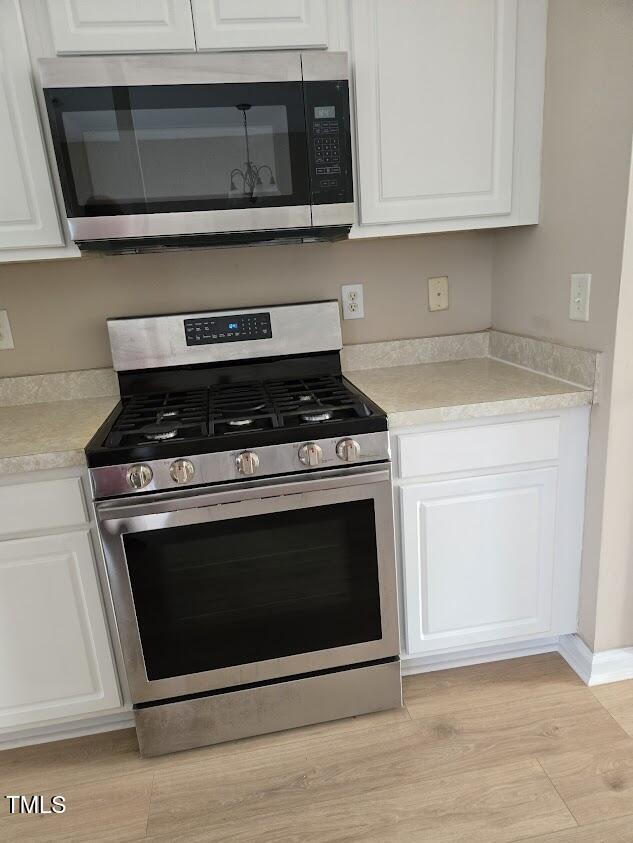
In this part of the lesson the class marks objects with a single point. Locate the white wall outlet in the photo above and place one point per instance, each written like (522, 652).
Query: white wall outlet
(579, 297)
(6, 337)
(352, 300)
(438, 293)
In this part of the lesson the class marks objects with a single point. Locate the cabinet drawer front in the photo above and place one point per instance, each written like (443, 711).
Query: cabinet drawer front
(471, 448)
(46, 505)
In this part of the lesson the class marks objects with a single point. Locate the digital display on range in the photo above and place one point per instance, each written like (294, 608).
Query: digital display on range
(206, 330)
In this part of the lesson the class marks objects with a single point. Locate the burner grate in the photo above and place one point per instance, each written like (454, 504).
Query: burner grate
(161, 417)
(315, 401)
(240, 408)
(234, 408)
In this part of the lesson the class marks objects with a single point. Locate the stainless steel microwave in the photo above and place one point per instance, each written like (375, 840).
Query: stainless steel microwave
(168, 151)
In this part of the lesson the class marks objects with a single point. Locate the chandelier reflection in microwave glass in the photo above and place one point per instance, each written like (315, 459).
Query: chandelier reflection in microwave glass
(249, 181)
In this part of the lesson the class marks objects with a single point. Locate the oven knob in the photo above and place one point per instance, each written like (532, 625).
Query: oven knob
(182, 471)
(138, 476)
(348, 450)
(247, 462)
(310, 454)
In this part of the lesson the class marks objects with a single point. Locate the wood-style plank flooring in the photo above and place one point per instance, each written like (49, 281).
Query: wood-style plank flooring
(514, 750)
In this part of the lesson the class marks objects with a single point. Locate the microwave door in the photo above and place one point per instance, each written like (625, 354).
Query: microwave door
(152, 160)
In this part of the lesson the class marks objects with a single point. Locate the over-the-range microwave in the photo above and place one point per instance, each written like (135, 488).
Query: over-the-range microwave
(200, 150)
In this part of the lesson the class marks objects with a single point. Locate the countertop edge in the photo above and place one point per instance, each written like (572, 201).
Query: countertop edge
(504, 407)
(40, 462)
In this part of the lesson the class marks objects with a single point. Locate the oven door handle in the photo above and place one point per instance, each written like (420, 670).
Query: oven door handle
(195, 498)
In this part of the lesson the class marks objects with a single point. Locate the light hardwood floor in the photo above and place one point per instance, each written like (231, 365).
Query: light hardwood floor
(515, 750)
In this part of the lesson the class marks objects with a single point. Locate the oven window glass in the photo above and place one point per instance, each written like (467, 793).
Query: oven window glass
(179, 147)
(245, 590)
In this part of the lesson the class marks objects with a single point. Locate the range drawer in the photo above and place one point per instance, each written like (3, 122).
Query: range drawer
(478, 447)
(45, 505)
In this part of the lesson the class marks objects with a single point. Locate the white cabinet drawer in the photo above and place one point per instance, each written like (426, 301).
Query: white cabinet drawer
(471, 448)
(45, 505)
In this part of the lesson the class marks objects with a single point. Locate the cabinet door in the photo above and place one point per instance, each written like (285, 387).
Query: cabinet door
(253, 25)
(55, 657)
(478, 559)
(28, 214)
(121, 26)
(435, 97)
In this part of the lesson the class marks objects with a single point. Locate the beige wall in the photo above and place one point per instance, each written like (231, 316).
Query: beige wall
(58, 308)
(588, 123)
(614, 615)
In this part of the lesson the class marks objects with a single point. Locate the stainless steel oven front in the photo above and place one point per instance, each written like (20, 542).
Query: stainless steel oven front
(226, 586)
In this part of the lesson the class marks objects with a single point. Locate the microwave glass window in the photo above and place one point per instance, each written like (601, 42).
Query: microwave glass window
(222, 152)
(180, 147)
(103, 159)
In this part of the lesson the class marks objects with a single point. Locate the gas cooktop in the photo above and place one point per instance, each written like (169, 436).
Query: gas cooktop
(275, 402)
(242, 407)
(156, 425)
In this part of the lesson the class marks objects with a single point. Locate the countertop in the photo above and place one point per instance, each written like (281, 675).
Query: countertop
(460, 389)
(49, 435)
(54, 435)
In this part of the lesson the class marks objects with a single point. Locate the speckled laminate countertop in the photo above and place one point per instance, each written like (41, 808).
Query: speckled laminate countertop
(461, 389)
(49, 435)
(54, 434)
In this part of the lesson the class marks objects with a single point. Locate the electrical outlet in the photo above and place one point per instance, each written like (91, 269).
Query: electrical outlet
(6, 337)
(579, 297)
(352, 299)
(438, 293)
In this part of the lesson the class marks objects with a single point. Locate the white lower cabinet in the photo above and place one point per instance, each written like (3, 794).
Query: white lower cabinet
(478, 558)
(490, 552)
(55, 658)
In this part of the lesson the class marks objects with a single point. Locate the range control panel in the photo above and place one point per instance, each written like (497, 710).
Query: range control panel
(206, 330)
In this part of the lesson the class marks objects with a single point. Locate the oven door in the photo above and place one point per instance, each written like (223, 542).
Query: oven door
(177, 159)
(217, 589)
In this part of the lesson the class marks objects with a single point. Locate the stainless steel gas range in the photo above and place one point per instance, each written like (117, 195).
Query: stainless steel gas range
(243, 496)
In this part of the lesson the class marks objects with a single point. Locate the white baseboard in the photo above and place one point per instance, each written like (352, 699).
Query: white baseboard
(69, 729)
(596, 668)
(478, 655)
(577, 655)
(592, 668)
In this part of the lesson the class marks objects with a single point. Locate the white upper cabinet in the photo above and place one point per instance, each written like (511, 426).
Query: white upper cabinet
(121, 26)
(255, 25)
(448, 112)
(28, 214)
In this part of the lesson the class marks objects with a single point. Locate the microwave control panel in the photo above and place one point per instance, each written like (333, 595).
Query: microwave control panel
(329, 147)
(205, 330)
